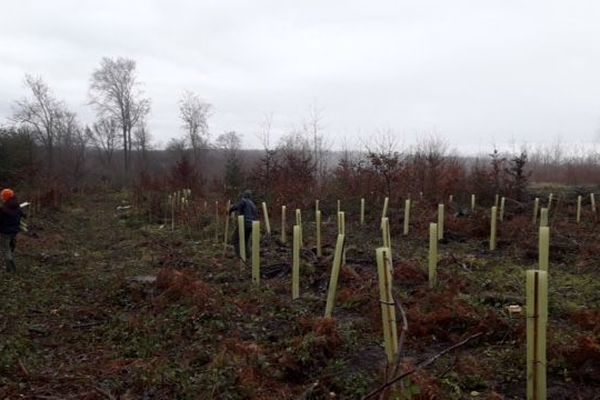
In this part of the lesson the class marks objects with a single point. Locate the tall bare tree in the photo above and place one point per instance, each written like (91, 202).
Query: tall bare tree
(194, 114)
(42, 113)
(115, 92)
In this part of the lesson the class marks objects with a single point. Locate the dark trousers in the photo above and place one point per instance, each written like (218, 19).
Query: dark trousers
(235, 240)
(7, 250)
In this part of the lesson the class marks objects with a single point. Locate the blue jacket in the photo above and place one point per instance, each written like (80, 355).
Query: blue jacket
(246, 208)
(10, 217)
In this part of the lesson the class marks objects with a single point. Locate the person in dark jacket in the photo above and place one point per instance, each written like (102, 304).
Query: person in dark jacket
(247, 208)
(10, 225)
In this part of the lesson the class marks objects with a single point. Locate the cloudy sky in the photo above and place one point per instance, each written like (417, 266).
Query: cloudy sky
(474, 72)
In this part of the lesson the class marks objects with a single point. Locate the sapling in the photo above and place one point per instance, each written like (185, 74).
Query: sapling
(266, 216)
(256, 252)
(283, 238)
(544, 248)
(335, 273)
(385, 233)
(242, 237)
(433, 254)
(440, 223)
(299, 223)
(544, 217)
(226, 230)
(342, 226)
(318, 236)
(388, 311)
(493, 228)
(406, 216)
(362, 211)
(217, 221)
(385, 207)
(296, 263)
(537, 321)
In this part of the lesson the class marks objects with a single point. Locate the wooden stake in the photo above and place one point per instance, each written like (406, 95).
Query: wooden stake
(493, 228)
(283, 238)
(242, 237)
(406, 216)
(266, 215)
(537, 321)
(256, 252)
(502, 203)
(544, 248)
(440, 223)
(296, 263)
(536, 207)
(335, 273)
(578, 210)
(318, 226)
(388, 311)
(433, 254)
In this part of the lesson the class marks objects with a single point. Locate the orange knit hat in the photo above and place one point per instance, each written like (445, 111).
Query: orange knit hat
(7, 194)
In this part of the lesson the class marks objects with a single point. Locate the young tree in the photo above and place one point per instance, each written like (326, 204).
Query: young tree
(115, 92)
(194, 114)
(231, 142)
(519, 177)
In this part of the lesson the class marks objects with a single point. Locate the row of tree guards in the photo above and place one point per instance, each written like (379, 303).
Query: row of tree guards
(536, 279)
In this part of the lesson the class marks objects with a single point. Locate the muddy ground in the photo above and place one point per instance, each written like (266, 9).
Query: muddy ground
(110, 304)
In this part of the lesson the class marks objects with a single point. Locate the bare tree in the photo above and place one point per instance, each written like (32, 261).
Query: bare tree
(313, 126)
(104, 136)
(73, 141)
(142, 137)
(194, 113)
(385, 160)
(116, 94)
(41, 112)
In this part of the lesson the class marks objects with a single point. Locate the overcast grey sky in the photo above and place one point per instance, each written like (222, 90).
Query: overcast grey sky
(476, 72)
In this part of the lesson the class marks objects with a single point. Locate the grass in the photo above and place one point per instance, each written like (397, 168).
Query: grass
(74, 325)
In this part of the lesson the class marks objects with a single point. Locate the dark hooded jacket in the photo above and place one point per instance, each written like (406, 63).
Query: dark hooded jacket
(247, 208)
(10, 217)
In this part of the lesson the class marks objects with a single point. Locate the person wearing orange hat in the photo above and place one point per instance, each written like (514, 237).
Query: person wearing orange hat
(10, 225)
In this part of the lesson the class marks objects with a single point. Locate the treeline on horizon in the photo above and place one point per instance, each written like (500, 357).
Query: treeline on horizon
(46, 147)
